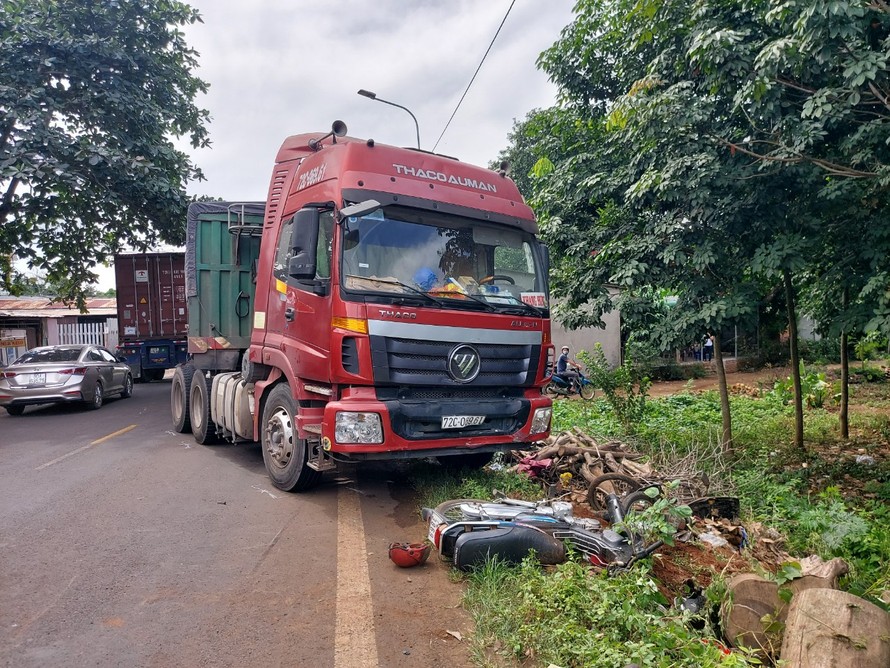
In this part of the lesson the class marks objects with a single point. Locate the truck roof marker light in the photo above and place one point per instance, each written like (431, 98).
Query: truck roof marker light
(358, 325)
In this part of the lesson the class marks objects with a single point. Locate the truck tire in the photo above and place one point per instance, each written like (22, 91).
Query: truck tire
(180, 390)
(203, 428)
(284, 452)
(251, 372)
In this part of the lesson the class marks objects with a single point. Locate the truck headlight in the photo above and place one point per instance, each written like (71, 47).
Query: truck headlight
(541, 422)
(358, 428)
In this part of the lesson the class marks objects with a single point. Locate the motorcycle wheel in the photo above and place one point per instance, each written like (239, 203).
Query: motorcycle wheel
(609, 483)
(451, 511)
(551, 389)
(588, 391)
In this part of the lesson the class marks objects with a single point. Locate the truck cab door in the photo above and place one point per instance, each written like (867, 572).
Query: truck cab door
(299, 311)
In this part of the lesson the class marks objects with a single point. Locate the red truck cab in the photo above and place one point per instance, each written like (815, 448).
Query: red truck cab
(401, 310)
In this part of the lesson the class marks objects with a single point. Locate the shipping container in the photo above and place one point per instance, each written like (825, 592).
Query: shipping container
(152, 311)
(151, 299)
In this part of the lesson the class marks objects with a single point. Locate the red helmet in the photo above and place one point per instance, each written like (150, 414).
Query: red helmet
(409, 554)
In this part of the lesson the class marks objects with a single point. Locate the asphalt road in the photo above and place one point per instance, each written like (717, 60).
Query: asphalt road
(123, 543)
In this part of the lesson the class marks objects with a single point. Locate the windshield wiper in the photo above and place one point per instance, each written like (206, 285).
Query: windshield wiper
(476, 299)
(390, 281)
(524, 307)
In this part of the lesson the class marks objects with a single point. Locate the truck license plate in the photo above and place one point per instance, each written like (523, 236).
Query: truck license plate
(460, 421)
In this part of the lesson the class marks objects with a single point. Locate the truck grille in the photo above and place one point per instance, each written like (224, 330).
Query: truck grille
(416, 420)
(415, 362)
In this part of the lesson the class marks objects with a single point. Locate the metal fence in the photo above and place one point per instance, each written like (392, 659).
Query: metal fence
(97, 333)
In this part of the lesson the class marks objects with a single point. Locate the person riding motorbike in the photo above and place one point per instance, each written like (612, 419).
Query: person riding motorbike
(564, 370)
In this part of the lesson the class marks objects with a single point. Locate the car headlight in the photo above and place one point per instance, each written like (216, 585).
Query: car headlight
(358, 428)
(541, 422)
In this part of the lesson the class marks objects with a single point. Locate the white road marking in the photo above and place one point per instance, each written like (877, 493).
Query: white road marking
(264, 491)
(355, 643)
(86, 447)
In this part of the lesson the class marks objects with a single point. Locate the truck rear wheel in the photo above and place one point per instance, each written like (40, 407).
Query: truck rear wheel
(180, 389)
(284, 452)
(199, 411)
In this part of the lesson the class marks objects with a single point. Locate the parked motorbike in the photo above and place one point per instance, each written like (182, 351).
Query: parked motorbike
(564, 387)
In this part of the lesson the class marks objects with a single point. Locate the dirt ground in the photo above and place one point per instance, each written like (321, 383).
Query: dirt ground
(762, 378)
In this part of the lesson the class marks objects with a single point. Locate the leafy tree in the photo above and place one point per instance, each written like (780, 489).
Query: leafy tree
(91, 95)
(714, 138)
(654, 201)
(817, 94)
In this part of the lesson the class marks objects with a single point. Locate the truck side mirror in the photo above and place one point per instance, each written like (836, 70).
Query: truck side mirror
(304, 241)
(545, 260)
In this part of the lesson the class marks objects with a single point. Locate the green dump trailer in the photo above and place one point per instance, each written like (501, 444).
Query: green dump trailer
(222, 247)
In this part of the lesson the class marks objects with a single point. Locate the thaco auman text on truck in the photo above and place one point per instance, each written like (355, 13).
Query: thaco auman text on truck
(383, 303)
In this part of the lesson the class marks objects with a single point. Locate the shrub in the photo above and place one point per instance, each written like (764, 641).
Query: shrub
(625, 387)
(822, 351)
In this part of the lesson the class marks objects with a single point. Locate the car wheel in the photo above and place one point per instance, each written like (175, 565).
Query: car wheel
(180, 389)
(284, 452)
(15, 410)
(98, 398)
(203, 428)
(127, 392)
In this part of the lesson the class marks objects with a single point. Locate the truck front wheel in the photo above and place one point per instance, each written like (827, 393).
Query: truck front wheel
(284, 452)
(180, 389)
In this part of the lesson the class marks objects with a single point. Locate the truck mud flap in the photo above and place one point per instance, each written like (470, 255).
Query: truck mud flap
(508, 544)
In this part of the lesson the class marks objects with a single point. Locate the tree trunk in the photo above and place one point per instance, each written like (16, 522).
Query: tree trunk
(795, 360)
(726, 442)
(827, 628)
(845, 379)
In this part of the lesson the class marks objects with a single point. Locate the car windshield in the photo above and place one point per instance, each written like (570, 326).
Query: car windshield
(49, 356)
(457, 261)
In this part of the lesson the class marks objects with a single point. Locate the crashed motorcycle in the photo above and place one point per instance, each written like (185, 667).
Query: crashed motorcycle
(469, 531)
(560, 386)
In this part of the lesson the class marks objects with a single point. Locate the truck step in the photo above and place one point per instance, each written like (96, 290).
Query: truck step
(318, 458)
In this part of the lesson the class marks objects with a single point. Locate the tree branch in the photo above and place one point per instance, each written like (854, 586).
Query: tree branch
(6, 203)
(827, 165)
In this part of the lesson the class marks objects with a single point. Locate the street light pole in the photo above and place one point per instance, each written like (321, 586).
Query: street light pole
(373, 96)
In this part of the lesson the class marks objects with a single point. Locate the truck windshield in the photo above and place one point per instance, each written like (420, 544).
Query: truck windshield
(457, 261)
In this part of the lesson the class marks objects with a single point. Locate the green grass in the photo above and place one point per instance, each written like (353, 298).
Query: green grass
(821, 500)
(572, 618)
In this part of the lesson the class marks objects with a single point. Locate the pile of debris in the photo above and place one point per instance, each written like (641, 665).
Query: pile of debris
(820, 626)
(573, 463)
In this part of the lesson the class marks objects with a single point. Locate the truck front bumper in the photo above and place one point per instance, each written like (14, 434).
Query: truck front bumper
(423, 427)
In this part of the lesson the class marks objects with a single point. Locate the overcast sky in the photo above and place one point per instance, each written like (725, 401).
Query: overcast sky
(281, 68)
